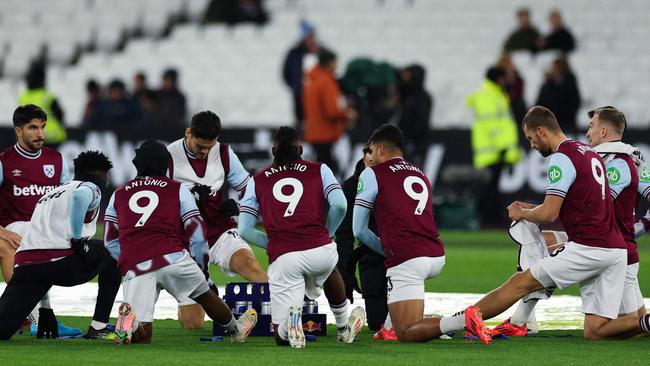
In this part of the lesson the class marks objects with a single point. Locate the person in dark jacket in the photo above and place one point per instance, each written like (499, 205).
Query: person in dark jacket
(172, 110)
(560, 38)
(116, 111)
(525, 37)
(560, 94)
(292, 70)
(416, 105)
(514, 86)
(371, 265)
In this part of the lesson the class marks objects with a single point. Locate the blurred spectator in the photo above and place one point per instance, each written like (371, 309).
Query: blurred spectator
(140, 87)
(325, 119)
(371, 87)
(38, 94)
(292, 71)
(494, 141)
(416, 106)
(93, 95)
(560, 38)
(525, 37)
(149, 108)
(171, 103)
(117, 111)
(560, 94)
(514, 87)
(236, 11)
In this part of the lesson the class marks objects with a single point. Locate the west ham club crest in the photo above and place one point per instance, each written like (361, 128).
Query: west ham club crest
(48, 169)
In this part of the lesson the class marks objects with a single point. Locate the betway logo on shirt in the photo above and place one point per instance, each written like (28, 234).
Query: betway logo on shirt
(32, 190)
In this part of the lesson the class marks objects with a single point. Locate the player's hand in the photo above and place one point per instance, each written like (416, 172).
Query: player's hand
(229, 208)
(10, 237)
(48, 327)
(85, 251)
(201, 192)
(515, 212)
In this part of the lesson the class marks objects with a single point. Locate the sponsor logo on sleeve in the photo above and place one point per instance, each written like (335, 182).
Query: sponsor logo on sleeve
(613, 175)
(645, 175)
(554, 174)
(360, 185)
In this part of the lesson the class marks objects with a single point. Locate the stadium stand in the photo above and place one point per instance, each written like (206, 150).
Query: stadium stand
(236, 71)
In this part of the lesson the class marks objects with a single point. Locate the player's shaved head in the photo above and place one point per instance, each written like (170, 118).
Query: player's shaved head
(390, 135)
(539, 116)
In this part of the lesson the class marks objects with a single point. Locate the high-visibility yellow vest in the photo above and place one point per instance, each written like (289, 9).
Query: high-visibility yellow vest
(54, 131)
(494, 131)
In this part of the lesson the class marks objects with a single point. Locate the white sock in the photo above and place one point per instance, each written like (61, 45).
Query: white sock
(452, 323)
(33, 316)
(97, 325)
(232, 327)
(522, 312)
(388, 323)
(45, 301)
(340, 314)
(283, 332)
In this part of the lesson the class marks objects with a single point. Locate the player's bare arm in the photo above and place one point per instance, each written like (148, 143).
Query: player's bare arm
(546, 212)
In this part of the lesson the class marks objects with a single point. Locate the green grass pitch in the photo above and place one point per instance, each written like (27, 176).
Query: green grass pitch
(476, 262)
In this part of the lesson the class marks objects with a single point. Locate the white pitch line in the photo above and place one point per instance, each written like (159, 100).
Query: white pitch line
(559, 312)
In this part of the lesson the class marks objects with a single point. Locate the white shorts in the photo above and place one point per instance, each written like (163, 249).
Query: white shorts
(182, 280)
(294, 274)
(599, 271)
(406, 280)
(220, 254)
(632, 298)
(18, 227)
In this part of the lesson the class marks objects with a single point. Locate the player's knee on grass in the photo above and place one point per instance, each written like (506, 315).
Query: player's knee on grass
(143, 333)
(191, 316)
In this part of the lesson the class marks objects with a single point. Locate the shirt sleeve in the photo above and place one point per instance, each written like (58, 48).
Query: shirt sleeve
(366, 189)
(560, 175)
(644, 183)
(237, 176)
(329, 181)
(1, 175)
(110, 214)
(188, 204)
(249, 202)
(360, 219)
(65, 171)
(618, 176)
(86, 197)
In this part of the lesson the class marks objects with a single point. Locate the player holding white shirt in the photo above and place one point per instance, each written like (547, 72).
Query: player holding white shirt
(203, 164)
(624, 167)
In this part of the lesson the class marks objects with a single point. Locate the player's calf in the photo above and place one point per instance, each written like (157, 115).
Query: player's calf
(191, 316)
(243, 261)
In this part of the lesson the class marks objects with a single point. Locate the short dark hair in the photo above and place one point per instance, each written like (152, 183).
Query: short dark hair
(92, 85)
(539, 116)
(171, 74)
(26, 113)
(611, 116)
(205, 125)
(389, 134)
(91, 161)
(494, 73)
(325, 56)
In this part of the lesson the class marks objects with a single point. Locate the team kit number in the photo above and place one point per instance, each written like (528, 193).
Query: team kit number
(144, 211)
(292, 199)
(598, 172)
(422, 197)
